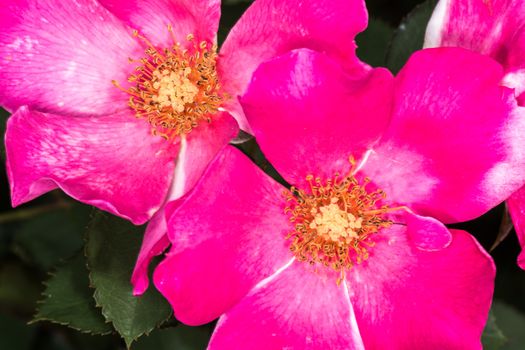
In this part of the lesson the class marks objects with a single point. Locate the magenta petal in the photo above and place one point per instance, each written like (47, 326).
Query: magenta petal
(112, 162)
(273, 27)
(309, 116)
(61, 56)
(453, 149)
(493, 28)
(151, 18)
(407, 298)
(516, 205)
(154, 243)
(294, 309)
(202, 145)
(516, 79)
(227, 235)
(426, 233)
(195, 153)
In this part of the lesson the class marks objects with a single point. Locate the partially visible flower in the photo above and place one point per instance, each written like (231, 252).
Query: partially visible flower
(495, 28)
(122, 104)
(355, 255)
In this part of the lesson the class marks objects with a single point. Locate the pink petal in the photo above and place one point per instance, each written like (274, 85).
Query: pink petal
(227, 235)
(516, 205)
(297, 308)
(516, 79)
(151, 18)
(521, 99)
(154, 243)
(202, 145)
(425, 232)
(111, 162)
(454, 147)
(61, 56)
(309, 116)
(407, 298)
(273, 27)
(493, 28)
(195, 153)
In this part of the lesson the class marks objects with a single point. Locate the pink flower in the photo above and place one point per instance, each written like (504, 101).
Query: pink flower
(89, 121)
(496, 29)
(356, 255)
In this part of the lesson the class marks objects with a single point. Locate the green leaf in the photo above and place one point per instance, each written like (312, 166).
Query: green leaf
(112, 247)
(179, 338)
(50, 237)
(68, 299)
(372, 44)
(410, 35)
(512, 324)
(492, 338)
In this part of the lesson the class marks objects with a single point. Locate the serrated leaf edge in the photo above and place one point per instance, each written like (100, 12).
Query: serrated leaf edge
(50, 274)
(107, 316)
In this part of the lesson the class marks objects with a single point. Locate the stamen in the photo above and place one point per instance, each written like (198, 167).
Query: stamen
(175, 89)
(335, 220)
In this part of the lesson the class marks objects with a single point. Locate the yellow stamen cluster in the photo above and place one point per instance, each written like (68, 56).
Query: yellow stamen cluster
(175, 89)
(334, 220)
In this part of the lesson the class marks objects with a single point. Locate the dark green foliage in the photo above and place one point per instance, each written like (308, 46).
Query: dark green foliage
(372, 44)
(179, 338)
(47, 238)
(68, 299)
(493, 337)
(112, 247)
(409, 36)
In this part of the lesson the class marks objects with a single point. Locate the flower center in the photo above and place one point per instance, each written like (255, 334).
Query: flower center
(335, 220)
(175, 89)
(335, 224)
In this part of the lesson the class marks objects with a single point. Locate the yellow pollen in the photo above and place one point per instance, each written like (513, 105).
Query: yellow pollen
(175, 89)
(335, 224)
(335, 221)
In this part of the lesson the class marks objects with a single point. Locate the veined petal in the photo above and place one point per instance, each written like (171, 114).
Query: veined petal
(516, 204)
(309, 116)
(111, 162)
(227, 234)
(197, 150)
(408, 298)
(270, 28)
(61, 56)
(151, 18)
(297, 308)
(453, 149)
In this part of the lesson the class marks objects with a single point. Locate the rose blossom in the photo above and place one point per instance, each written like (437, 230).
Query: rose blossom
(355, 255)
(496, 29)
(122, 104)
